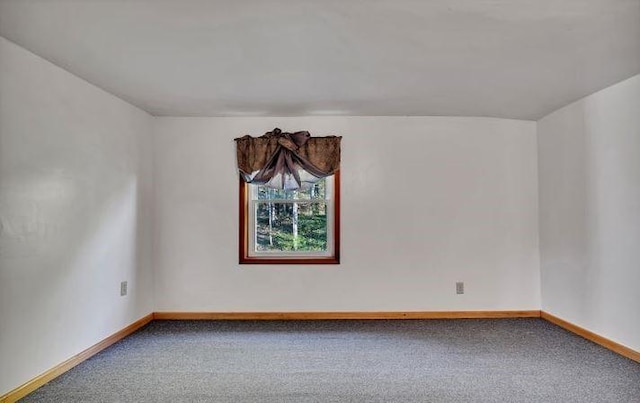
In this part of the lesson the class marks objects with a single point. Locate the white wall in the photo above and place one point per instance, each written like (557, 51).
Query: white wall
(75, 175)
(426, 202)
(589, 170)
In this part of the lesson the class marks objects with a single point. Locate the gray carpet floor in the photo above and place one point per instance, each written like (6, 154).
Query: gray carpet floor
(506, 360)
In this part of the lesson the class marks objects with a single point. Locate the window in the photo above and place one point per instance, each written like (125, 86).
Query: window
(290, 226)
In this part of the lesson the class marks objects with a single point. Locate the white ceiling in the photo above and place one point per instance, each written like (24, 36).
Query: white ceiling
(503, 58)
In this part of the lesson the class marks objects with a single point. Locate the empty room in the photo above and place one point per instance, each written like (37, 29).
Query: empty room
(320, 201)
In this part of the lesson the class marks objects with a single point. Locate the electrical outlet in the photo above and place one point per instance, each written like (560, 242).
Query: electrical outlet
(123, 288)
(459, 287)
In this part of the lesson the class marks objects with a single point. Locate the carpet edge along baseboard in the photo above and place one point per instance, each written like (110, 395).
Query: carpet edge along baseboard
(591, 336)
(30, 386)
(348, 315)
(59, 369)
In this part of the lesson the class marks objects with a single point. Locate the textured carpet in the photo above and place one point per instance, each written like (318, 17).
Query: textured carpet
(507, 360)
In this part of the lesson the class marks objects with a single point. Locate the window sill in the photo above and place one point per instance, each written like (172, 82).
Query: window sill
(292, 260)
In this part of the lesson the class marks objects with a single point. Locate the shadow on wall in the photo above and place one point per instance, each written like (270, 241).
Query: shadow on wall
(65, 245)
(589, 169)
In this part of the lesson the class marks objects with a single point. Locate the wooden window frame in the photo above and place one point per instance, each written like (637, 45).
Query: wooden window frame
(243, 250)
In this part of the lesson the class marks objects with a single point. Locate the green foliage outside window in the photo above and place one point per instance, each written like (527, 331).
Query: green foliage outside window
(291, 220)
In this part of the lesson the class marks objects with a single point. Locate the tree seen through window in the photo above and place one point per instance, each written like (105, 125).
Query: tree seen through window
(291, 220)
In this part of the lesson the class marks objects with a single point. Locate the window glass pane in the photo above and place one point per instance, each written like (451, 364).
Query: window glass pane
(315, 192)
(292, 227)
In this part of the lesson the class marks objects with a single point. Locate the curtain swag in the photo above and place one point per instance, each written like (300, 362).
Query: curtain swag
(287, 160)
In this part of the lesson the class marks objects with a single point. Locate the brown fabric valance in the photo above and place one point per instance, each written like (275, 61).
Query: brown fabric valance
(287, 160)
